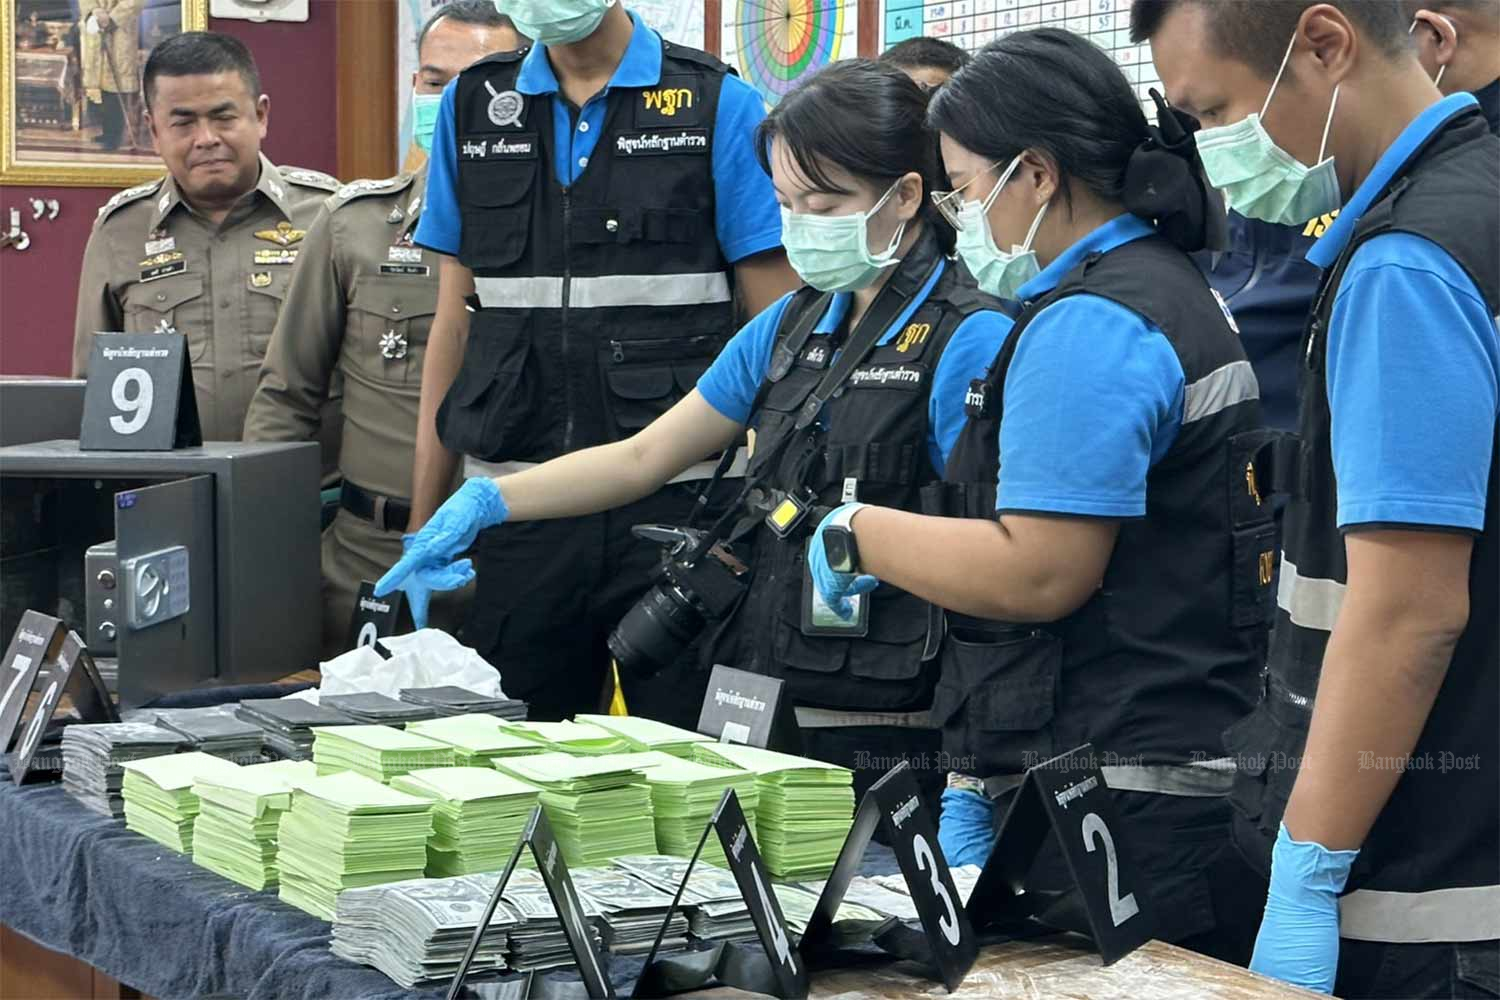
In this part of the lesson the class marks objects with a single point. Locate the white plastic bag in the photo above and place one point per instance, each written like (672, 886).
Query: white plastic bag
(428, 657)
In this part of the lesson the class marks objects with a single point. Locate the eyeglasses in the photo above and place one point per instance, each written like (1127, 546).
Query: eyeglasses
(948, 203)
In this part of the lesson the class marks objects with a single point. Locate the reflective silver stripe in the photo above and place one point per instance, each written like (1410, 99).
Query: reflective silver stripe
(1196, 780)
(1311, 602)
(519, 293)
(703, 470)
(1467, 913)
(1219, 390)
(608, 291)
(649, 290)
(828, 718)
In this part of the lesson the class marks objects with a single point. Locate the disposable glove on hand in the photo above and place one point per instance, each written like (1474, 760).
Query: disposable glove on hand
(966, 828)
(1299, 934)
(427, 563)
(837, 588)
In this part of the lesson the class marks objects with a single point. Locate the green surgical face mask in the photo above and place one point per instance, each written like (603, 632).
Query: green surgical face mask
(555, 22)
(832, 252)
(424, 115)
(996, 271)
(1259, 179)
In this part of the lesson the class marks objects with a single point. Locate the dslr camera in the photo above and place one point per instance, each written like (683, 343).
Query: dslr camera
(693, 586)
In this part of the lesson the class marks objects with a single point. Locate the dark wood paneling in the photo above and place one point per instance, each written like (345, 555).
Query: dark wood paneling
(366, 88)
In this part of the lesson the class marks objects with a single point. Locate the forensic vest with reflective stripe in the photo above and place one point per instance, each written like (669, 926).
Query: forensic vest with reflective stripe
(600, 302)
(1166, 652)
(873, 432)
(1441, 827)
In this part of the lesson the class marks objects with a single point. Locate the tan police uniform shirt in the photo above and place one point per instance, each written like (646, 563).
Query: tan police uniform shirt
(154, 265)
(360, 306)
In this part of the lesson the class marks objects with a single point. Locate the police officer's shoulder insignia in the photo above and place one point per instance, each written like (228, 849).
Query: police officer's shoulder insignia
(310, 178)
(127, 196)
(366, 187)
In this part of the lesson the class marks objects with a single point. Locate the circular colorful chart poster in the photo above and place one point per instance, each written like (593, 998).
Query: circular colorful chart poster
(776, 43)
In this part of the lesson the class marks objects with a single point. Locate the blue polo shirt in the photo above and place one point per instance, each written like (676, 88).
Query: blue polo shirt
(1413, 365)
(732, 380)
(748, 219)
(1093, 397)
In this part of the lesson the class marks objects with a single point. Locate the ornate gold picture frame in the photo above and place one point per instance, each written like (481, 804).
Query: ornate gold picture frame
(71, 110)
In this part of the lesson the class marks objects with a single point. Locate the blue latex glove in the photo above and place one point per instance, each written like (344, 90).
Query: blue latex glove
(837, 588)
(427, 563)
(1299, 935)
(966, 828)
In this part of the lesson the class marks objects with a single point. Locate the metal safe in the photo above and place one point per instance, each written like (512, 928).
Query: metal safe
(189, 567)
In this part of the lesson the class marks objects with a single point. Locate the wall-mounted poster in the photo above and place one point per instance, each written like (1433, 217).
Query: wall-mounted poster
(71, 107)
(970, 24)
(776, 43)
(678, 21)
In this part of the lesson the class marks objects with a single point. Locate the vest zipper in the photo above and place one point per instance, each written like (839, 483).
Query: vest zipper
(567, 291)
(660, 349)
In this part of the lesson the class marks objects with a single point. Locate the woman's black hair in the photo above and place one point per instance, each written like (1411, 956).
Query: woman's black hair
(865, 117)
(1052, 91)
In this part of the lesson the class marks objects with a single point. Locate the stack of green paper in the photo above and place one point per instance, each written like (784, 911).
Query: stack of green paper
(345, 831)
(159, 799)
(238, 813)
(569, 737)
(684, 795)
(476, 739)
(597, 810)
(647, 734)
(379, 752)
(805, 810)
(477, 816)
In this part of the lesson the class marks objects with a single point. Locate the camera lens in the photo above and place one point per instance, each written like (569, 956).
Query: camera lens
(654, 632)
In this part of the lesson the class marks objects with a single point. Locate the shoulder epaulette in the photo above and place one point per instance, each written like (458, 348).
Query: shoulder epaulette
(128, 195)
(364, 188)
(309, 178)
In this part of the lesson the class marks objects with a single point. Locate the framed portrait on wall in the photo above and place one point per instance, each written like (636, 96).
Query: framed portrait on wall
(71, 105)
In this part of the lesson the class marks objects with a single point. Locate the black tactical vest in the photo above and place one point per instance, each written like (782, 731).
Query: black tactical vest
(601, 302)
(1441, 827)
(1167, 651)
(874, 432)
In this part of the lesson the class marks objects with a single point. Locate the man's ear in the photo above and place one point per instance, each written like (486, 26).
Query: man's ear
(263, 113)
(1440, 32)
(1332, 41)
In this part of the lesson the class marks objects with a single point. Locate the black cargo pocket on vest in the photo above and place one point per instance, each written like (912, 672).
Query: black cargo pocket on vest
(997, 695)
(1263, 750)
(892, 650)
(645, 378)
(1253, 571)
(491, 410)
(1479, 966)
(496, 213)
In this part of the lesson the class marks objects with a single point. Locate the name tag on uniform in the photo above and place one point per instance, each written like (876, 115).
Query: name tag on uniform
(165, 244)
(420, 270)
(162, 264)
(662, 142)
(286, 256)
(886, 377)
(498, 147)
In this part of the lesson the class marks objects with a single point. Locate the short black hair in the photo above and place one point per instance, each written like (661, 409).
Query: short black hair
(922, 52)
(1052, 91)
(1490, 7)
(466, 12)
(868, 118)
(1256, 33)
(195, 53)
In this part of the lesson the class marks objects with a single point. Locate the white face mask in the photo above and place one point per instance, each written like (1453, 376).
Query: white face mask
(999, 273)
(1259, 179)
(832, 252)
